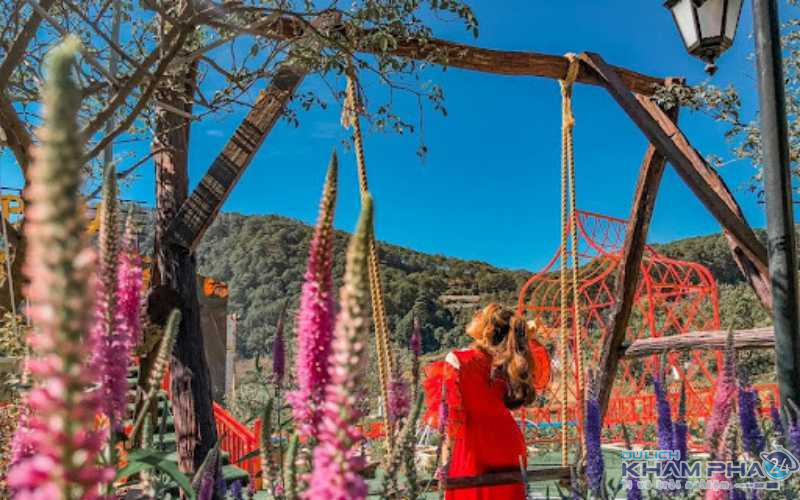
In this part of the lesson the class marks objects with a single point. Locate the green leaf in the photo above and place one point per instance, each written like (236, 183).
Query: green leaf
(248, 456)
(139, 460)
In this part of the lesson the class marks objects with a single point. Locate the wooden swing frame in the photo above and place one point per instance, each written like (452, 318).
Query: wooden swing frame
(632, 91)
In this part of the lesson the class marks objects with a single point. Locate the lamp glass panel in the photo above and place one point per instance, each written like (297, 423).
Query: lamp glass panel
(734, 11)
(710, 16)
(683, 11)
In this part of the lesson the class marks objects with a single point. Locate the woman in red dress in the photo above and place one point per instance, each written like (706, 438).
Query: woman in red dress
(479, 386)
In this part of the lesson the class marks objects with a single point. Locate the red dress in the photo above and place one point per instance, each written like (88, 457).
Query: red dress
(484, 435)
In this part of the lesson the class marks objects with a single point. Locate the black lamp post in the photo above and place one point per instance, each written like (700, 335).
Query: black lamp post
(708, 28)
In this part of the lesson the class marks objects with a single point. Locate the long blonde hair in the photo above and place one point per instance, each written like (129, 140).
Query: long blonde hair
(504, 337)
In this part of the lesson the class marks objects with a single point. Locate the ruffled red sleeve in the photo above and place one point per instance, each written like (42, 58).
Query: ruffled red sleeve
(441, 384)
(541, 365)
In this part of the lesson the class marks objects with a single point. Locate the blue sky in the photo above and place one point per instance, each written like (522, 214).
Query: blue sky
(489, 186)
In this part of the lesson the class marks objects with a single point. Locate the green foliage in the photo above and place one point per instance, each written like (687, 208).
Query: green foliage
(263, 258)
(724, 105)
(144, 459)
(157, 372)
(12, 339)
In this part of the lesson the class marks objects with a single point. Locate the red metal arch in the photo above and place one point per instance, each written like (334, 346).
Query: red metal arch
(673, 297)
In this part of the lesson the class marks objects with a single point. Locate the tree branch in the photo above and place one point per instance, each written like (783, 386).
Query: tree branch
(135, 79)
(17, 51)
(144, 99)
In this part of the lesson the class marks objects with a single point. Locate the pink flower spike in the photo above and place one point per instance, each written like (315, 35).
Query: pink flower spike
(315, 316)
(337, 456)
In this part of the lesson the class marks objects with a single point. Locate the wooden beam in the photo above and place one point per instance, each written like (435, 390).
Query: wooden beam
(709, 188)
(198, 212)
(644, 200)
(756, 338)
(546, 473)
(754, 269)
(457, 55)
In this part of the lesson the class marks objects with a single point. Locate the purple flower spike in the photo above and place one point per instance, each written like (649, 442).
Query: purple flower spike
(752, 437)
(594, 453)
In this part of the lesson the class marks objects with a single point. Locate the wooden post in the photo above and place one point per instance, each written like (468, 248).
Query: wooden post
(706, 185)
(176, 270)
(198, 212)
(755, 338)
(644, 200)
(230, 354)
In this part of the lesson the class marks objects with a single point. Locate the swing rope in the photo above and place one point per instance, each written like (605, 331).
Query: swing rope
(350, 118)
(569, 224)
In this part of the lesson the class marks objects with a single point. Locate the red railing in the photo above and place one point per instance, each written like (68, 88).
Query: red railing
(239, 441)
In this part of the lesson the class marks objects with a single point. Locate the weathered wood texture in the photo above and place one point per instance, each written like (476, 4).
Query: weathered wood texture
(756, 338)
(709, 188)
(545, 473)
(176, 271)
(456, 55)
(752, 264)
(644, 200)
(199, 210)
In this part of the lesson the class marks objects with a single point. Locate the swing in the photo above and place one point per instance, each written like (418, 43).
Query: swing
(350, 119)
(569, 224)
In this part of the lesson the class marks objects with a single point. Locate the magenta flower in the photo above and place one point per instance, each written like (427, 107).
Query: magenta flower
(315, 318)
(113, 343)
(724, 398)
(337, 457)
(399, 398)
(61, 424)
(103, 332)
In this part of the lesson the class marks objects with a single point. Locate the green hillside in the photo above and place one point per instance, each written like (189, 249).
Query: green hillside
(263, 258)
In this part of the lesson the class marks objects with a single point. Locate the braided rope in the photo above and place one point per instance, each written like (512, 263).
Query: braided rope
(568, 221)
(385, 363)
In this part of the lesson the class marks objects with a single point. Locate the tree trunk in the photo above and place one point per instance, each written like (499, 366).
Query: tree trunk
(176, 269)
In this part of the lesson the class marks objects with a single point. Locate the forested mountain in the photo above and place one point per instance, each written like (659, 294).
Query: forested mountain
(263, 258)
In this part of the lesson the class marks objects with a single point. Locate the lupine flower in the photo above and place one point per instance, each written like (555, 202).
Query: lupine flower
(130, 288)
(399, 398)
(279, 352)
(752, 437)
(634, 493)
(777, 421)
(680, 429)
(236, 490)
(115, 349)
(595, 469)
(665, 433)
(337, 457)
(415, 343)
(723, 397)
(105, 363)
(794, 436)
(21, 445)
(315, 318)
(58, 266)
